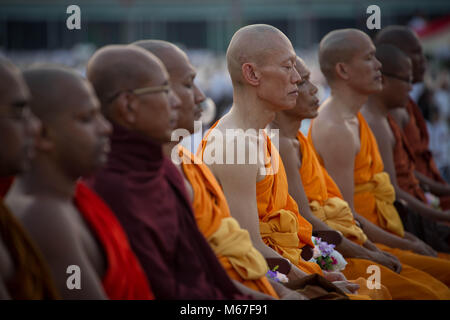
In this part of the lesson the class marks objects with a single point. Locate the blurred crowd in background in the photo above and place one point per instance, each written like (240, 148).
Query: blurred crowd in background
(431, 21)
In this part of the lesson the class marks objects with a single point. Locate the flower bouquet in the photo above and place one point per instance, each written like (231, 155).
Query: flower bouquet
(277, 276)
(326, 256)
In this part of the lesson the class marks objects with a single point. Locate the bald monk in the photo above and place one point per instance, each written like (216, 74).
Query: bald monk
(24, 274)
(347, 60)
(143, 187)
(398, 158)
(231, 244)
(321, 202)
(411, 120)
(69, 223)
(261, 63)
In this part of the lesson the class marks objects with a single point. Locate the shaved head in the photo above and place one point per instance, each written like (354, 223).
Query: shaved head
(339, 46)
(406, 40)
(52, 89)
(393, 59)
(253, 43)
(117, 68)
(400, 36)
(167, 52)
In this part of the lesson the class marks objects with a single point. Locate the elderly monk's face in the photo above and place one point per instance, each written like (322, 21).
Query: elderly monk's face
(364, 70)
(18, 127)
(278, 76)
(307, 101)
(182, 76)
(156, 114)
(80, 133)
(396, 86)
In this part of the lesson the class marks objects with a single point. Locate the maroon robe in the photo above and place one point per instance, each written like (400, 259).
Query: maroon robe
(146, 192)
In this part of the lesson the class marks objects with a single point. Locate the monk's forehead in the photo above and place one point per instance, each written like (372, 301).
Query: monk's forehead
(176, 62)
(301, 67)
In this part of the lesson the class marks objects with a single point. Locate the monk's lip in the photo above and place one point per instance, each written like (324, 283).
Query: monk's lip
(316, 103)
(295, 92)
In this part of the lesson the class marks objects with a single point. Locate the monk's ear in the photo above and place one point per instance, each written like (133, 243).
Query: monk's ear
(250, 74)
(341, 70)
(43, 139)
(125, 108)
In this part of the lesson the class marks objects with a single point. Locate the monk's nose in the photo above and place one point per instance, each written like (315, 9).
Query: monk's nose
(199, 96)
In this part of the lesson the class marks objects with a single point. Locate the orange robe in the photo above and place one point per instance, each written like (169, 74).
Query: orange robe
(320, 188)
(416, 134)
(374, 198)
(281, 225)
(212, 214)
(404, 163)
(124, 278)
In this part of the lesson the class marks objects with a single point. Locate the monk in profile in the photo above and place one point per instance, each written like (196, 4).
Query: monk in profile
(76, 232)
(397, 155)
(24, 273)
(231, 243)
(142, 186)
(321, 201)
(347, 59)
(261, 63)
(411, 120)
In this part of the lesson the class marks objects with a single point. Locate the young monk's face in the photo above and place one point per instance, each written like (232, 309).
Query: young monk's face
(396, 86)
(79, 133)
(414, 51)
(18, 127)
(182, 77)
(307, 101)
(278, 76)
(364, 70)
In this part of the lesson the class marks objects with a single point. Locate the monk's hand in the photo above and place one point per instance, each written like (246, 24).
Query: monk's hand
(295, 274)
(389, 260)
(334, 276)
(347, 287)
(420, 247)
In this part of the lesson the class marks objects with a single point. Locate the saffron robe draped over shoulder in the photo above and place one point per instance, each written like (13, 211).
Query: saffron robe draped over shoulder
(231, 244)
(32, 277)
(281, 226)
(147, 193)
(320, 188)
(324, 196)
(124, 278)
(368, 163)
(416, 134)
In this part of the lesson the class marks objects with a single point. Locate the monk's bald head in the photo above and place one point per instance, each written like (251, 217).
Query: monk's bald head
(339, 46)
(167, 52)
(253, 43)
(406, 40)
(392, 59)
(118, 68)
(54, 89)
(10, 79)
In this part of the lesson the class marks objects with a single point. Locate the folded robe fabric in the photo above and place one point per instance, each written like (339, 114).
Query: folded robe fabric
(404, 163)
(147, 194)
(416, 134)
(229, 241)
(325, 199)
(32, 278)
(124, 278)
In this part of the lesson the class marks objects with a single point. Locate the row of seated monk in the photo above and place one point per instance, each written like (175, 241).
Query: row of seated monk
(99, 202)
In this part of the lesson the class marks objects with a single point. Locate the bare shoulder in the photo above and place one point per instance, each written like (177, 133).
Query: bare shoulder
(50, 223)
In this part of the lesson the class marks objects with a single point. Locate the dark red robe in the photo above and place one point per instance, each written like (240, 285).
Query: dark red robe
(147, 193)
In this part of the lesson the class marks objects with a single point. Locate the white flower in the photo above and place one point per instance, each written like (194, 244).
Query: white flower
(341, 263)
(281, 277)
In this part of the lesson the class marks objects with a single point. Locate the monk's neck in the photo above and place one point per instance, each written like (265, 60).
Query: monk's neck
(347, 101)
(168, 147)
(376, 107)
(44, 178)
(250, 112)
(288, 126)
